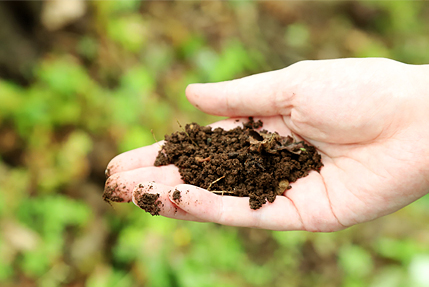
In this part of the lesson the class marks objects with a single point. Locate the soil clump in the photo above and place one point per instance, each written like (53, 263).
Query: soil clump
(177, 196)
(240, 162)
(149, 202)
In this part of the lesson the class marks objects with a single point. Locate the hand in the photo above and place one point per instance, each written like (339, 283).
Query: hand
(369, 118)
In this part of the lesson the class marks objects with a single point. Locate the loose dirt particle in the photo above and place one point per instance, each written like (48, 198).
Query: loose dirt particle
(239, 162)
(177, 196)
(149, 202)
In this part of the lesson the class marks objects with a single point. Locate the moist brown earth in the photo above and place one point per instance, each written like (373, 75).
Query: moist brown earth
(243, 161)
(177, 196)
(149, 202)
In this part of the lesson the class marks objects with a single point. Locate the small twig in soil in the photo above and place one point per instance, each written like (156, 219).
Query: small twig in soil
(187, 134)
(200, 159)
(153, 134)
(222, 192)
(208, 188)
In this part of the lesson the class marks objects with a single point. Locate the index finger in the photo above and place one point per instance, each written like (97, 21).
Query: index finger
(133, 159)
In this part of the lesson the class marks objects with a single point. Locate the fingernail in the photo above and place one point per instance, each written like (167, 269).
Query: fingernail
(149, 202)
(107, 172)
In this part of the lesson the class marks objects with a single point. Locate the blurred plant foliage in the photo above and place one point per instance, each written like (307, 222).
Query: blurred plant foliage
(110, 77)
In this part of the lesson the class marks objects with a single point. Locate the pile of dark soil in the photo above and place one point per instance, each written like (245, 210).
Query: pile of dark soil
(239, 162)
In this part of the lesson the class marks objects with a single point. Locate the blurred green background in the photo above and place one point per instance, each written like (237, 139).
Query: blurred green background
(83, 81)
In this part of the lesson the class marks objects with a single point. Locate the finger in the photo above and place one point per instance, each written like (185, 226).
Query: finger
(235, 211)
(140, 157)
(119, 186)
(257, 95)
(154, 198)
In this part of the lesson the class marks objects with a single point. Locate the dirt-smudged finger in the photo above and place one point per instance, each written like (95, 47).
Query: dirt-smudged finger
(154, 199)
(119, 187)
(113, 192)
(133, 159)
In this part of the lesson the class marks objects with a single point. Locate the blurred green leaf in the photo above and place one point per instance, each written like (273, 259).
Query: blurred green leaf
(36, 262)
(135, 137)
(355, 261)
(401, 250)
(129, 31)
(297, 35)
(64, 76)
(88, 47)
(290, 240)
(10, 99)
(232, 62)
(138, 80)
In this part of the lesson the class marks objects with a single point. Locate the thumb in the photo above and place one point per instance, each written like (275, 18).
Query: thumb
(265, 94)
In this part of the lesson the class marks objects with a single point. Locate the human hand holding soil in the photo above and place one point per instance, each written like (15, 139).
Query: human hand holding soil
(367, 117)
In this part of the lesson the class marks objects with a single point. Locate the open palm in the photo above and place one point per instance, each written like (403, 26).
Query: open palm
(367, 117)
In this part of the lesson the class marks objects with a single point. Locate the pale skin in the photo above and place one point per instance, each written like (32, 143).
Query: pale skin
(369, 119)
